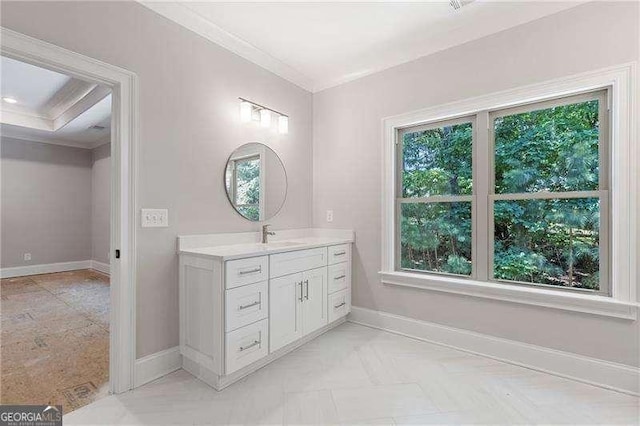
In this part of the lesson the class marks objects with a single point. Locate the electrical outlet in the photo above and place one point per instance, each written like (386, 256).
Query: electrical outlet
(329, 215)
(155, 218)
(27, 257)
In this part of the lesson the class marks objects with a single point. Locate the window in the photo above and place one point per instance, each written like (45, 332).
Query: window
(243, 179)
(524, 203)
(436, 186)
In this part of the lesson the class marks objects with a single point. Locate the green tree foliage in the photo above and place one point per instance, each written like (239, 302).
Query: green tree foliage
(549, 241)
(437, 236)
(248, 188)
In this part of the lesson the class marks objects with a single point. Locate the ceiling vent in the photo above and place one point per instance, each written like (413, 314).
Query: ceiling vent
(457, 4)
(97, 128)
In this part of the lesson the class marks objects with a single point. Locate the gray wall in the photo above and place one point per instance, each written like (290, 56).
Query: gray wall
(46, 203)
(189, 125)
(101, 203)
(348, 149)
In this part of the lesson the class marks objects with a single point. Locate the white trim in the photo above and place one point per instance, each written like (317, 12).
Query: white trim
(45, 268)
(10, 133)
(606, 374)
(183, 15)
(124, 145)
(548, 298)
(623, 98)
(105, 268)
(154, 366)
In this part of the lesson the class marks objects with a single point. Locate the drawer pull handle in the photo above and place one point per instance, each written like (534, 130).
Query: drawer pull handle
(251, 271)
(307, 283)
(340, 253)
(250, 305)
(340, 305)
(255, 343)
(340, 277)
(301, 292)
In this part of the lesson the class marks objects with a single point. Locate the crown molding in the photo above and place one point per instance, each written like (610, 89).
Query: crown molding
(70, 94)
(66, 105)
(11, 134)
(191, 20)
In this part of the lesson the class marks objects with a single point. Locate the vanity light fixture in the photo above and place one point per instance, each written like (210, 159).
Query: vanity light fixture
(251, 111)
(246, 111)
(10, 100)
(265, 118)
(283, 124)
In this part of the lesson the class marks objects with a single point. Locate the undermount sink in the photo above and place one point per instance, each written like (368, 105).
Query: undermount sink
(276, 244)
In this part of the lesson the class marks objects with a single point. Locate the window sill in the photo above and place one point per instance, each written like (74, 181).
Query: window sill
(596, 305)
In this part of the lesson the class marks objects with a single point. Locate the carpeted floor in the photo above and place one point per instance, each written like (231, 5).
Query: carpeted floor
(54, 347)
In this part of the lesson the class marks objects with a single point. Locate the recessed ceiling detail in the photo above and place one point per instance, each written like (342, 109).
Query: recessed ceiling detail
(324, 44)
(46, 106)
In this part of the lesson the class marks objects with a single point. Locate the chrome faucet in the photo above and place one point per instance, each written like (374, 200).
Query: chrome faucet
(266, 233)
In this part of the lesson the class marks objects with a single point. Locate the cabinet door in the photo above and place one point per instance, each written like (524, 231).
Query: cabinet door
(285, 318)
(314, 300)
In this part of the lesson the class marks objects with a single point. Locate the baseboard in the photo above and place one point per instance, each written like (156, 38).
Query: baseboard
(618, 377)
(105, 268)
(156, 365)
(21, 271)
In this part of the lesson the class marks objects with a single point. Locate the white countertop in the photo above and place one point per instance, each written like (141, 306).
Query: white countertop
(237, 251)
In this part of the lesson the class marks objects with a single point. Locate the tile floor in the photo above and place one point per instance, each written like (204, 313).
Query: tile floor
(54, 346)
(358, 375)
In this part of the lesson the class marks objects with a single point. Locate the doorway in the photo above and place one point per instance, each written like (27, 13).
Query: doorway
(122, 85)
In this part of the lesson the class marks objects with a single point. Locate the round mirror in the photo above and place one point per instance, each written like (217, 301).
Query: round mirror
(256, 181)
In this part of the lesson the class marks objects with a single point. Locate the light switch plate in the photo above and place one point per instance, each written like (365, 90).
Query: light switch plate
(155, 218)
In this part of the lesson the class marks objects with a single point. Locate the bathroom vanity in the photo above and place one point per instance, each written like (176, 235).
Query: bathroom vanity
(244, 303)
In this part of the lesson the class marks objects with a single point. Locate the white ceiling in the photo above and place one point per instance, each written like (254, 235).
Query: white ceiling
(52, 107)
(78, 132)
(320, 45)
(34, 86)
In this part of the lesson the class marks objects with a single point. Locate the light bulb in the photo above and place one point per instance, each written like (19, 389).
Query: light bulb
(283, 124)
(246, 110)
(265, 118)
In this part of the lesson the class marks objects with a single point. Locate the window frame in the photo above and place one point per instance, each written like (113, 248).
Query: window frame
(399, 188)
(602, 193)
(623, 195)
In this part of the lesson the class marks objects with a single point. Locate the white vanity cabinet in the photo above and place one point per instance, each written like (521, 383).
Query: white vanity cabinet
(299, 306)
(239, 313)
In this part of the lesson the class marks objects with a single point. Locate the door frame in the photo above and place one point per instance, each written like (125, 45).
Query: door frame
(124, 144)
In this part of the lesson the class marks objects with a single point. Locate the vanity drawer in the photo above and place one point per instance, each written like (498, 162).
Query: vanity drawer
(339, 276)
(246, 345)
(247, 304)
(339, 253)
(297, 261)
(339, 305)
(246, 271)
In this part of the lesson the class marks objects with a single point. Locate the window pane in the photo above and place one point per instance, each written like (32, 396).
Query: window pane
(436, 237)
(552, 242)
(248, 181)
(437, 161)
(553, 149)
(251, 212)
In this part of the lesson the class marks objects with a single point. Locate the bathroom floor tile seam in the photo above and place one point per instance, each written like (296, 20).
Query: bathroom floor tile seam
(407, 382)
